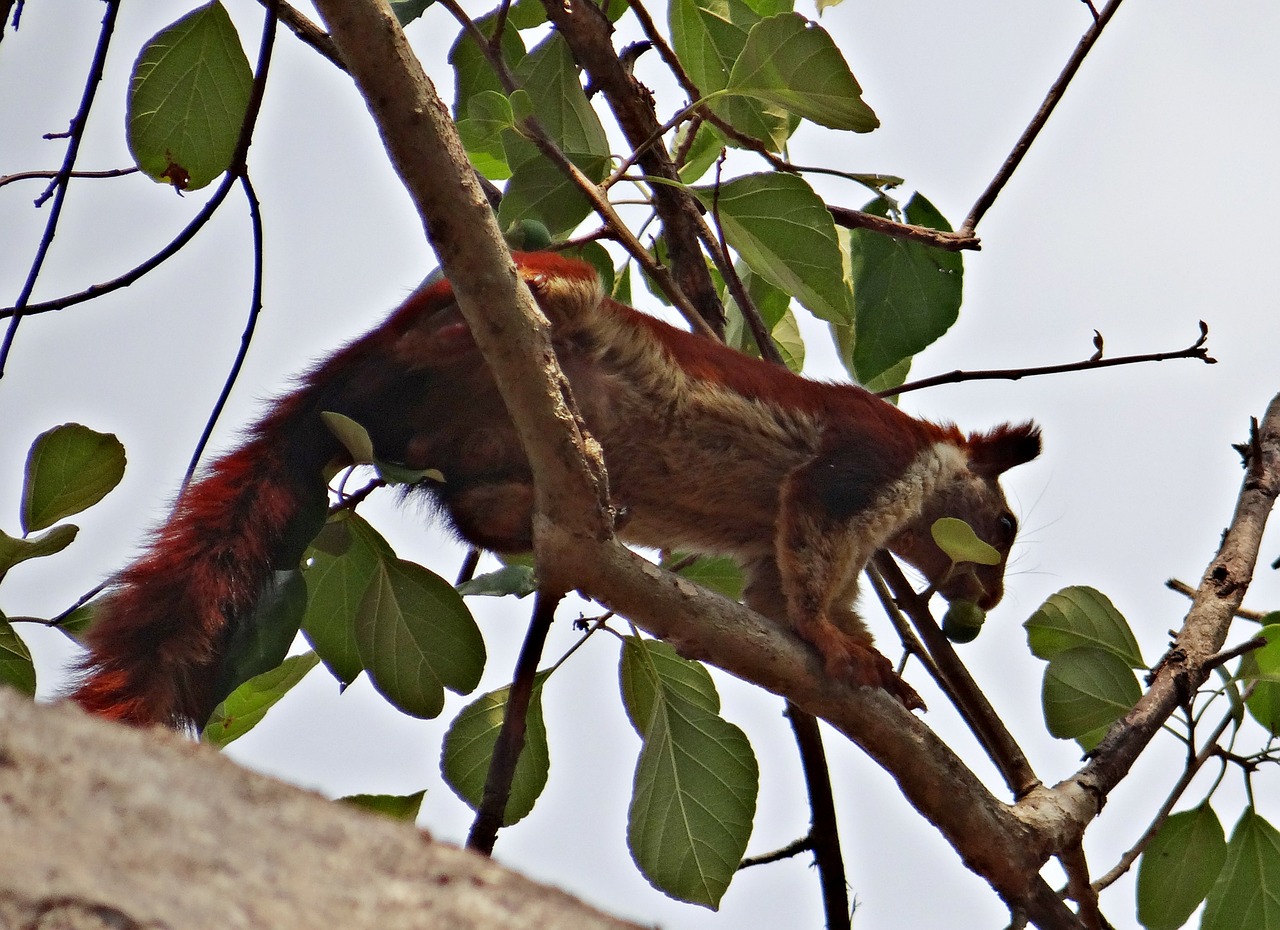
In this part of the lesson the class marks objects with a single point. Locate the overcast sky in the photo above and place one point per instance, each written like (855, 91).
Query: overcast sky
(1145, 206)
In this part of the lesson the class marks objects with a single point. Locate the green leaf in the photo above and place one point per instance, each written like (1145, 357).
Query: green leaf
(260, 641)
(14, 550)
(1081, 616)
(408, 10)
(702, 154)
(354, 437)
(709, 37)
(1247, 893)
(69, 468)
(538, 190)
(79, 620)
(793, 63)
(1262, 666)
(1179, 866)
(549, 75)
(403, 807)
(774, 306)
(481, 132)
(468, 750)
(695, 786)
(719, 573)
(785, 234)
(416, 638)
(905, 294)
(339, 568)
(519, 580)
(16, 668)
(249, 703)
(188, 98)
(961, 544)
(642, 660)
(1086, 688)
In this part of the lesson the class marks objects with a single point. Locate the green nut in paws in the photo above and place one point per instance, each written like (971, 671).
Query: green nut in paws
(963, 621)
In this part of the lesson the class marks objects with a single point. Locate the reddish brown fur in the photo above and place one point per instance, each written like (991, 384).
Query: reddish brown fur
(707, 451)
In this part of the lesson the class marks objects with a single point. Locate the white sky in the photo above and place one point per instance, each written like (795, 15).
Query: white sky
(1145, 206)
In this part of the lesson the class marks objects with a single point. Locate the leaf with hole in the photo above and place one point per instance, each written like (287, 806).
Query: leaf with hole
(905, 294)
(188, 98)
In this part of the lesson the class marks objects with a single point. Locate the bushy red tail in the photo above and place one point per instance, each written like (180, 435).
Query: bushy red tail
(155, 644)
(157, 640)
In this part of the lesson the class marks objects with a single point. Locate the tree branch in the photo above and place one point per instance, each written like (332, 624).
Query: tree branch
(1066, 808)
(988, 196)
(1197, 350)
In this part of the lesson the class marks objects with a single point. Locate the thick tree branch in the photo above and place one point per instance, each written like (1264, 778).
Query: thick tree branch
(1068, 807)
(106, 825)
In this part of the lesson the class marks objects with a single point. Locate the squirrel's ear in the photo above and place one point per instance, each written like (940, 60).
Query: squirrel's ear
(995, 452)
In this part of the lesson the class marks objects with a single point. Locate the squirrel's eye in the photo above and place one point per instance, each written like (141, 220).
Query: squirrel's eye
(1008, 525)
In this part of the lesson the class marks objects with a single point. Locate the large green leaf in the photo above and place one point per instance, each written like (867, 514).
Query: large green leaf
(188, 98)
(468, 750)
(792, 62)
(1081, 616)
(245, 707)
(1179, 866)
(69, 468)
(905, 294)
(784, 232)
(339, 567)
(650, 667)
(709, 36)
(416, 638)
(695, 785)
(1262, 667)
(16, 668)
(1247, 893)
(1085, 689)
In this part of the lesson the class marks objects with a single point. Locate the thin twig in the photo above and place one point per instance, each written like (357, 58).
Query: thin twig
(1173, 584)
(246, 337)
(937, 238)
(794, 848)
(824, 836)
(47, 174)
(307, 31)
(1196, 350)
(239, 170)
(61, 180)
(968, 698)
(988, 196)
(510, 742)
